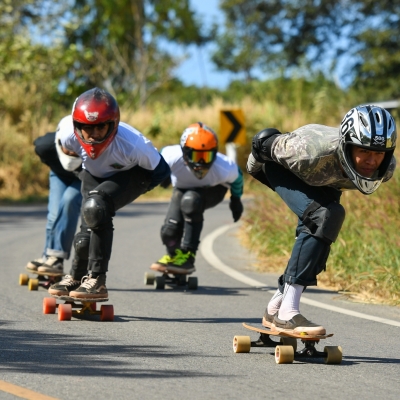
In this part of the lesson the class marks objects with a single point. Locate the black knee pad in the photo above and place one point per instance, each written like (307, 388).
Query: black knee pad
(324, 222)
(81, 244)
(96, 209)
(191, 205)
(171, 234)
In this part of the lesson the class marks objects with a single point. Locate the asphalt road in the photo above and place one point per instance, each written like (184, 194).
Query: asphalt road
(175, 343)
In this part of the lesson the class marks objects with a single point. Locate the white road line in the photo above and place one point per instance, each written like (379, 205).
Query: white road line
(207, 251)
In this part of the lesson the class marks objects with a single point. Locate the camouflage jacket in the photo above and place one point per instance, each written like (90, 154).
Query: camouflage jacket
(310, 152)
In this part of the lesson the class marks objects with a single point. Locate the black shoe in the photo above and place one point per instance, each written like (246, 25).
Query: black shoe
(183, 262)
(298, 324)
(91, 288)
(35, 264)
(63, 287)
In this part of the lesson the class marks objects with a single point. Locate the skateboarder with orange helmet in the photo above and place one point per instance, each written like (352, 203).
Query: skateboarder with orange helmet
(200, 176)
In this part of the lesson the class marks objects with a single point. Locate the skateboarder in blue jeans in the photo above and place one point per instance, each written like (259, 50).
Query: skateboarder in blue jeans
(309, 168)
(119, 164)
(63, 205)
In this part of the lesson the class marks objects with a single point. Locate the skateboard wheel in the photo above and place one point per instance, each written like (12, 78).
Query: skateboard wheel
(241, 344)
(107, 313)
(192, 283)
(64, 312)
(149, 278)
(334, 354)
(287, 341)
(284, 354)
(49, 305)
(159, 282)
(23, 279)
(33, 284)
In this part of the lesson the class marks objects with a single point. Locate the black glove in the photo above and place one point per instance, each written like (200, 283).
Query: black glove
(261, 145)
(236, 207)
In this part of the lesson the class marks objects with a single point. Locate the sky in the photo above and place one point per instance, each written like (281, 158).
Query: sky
(198, 69)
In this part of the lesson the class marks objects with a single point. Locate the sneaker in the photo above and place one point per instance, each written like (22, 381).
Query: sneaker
(63, 287)
(52, 264)
(298, 324)
(268, 319)
(91, 288)
(183, 262)
(162, 263)
(35, 264)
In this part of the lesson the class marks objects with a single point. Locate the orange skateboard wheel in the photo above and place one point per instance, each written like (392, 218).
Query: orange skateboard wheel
(64, 312)
(107, 313)
(49, 305)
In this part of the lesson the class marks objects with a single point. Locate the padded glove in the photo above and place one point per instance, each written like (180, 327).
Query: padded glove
(261, 144)
(236, 207)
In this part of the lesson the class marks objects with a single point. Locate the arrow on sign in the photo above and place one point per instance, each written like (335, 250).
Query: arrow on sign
(236, 126)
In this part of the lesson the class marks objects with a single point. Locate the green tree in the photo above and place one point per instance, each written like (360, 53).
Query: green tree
(120, 44)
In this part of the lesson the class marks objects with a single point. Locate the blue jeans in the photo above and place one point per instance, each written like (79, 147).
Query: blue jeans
(310, 252)
(63, 212)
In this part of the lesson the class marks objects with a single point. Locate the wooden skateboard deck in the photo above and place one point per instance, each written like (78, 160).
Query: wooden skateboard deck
(267, 331)
(286, 350)
(164, 269)
(38, 273)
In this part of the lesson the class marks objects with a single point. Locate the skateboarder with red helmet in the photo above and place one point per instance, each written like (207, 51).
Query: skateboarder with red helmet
(309, 168)
(119, 164)
(200, 176)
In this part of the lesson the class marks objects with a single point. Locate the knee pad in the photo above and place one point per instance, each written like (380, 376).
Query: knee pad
(81, 244)
(191, 205)
(95, 210)
(324, 222)
(171, 234)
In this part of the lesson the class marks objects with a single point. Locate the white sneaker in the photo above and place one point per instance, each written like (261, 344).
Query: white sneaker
(53, 264)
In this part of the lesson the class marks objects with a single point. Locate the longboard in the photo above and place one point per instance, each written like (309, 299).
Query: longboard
(73, 306)
(286, 350)
(43, 279)
(168, 277)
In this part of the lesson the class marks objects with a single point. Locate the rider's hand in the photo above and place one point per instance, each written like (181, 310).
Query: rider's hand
(236, 207)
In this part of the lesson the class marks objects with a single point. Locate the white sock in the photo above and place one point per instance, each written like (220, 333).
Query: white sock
(275, 303)
(290, 302)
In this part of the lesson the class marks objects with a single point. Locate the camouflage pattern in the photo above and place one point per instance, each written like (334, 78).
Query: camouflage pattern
(310, 152)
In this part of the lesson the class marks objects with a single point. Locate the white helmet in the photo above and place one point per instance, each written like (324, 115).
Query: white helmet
(373, 128)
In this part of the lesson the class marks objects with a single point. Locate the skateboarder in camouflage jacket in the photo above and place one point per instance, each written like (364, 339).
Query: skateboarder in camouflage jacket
(309, 168)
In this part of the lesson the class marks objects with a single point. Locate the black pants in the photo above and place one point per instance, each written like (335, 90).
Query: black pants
(117, 190)
(309, 253)
(185, 229)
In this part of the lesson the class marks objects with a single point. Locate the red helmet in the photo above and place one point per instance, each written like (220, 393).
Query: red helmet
(199, 147)
(96, 106)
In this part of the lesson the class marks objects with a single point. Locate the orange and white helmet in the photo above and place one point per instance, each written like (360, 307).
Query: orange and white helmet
(199, 145)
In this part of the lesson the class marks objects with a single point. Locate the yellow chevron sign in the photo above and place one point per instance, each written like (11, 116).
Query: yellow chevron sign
(232, 127)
